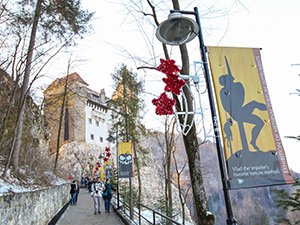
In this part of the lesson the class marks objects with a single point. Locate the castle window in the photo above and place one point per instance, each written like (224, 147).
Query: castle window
(101, 139)
(97, 123)
(90, 120)
(92, 137)
(95, 97)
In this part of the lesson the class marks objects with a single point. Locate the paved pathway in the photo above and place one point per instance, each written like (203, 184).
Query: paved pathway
(83, 213)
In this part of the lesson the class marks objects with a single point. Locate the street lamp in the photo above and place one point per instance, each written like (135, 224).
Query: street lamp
(112, 139)
(178, 30)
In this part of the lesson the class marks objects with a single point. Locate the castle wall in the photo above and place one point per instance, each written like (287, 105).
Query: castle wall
(37, 207)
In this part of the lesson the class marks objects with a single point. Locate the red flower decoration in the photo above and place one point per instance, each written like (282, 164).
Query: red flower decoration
(170, 69)
(107, 149)
(164, 105)
(168, 66)
(173, 84)
(108, 154)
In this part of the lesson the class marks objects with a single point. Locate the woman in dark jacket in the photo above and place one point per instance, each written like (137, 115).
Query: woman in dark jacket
(108, 195)
(73, 192)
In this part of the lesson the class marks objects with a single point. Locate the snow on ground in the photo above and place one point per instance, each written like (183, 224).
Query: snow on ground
(14, 185)
(149, 215)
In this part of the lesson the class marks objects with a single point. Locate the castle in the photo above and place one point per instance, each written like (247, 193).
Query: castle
(85, 116)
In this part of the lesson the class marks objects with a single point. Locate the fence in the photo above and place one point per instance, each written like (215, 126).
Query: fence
(139, 212)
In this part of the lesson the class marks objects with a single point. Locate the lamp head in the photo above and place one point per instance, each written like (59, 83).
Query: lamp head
(177, 30)
(111, 138)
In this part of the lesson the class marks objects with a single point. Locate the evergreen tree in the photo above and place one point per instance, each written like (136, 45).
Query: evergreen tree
(127, 106)
(288, 202)
(61, 19)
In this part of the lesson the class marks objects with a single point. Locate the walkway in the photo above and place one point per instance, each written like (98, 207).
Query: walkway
(83, 213)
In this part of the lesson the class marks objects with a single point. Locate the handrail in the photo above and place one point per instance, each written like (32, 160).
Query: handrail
(138, 215)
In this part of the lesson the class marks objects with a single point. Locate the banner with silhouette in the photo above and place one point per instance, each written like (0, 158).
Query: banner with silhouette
(253, 150)
(125, 159)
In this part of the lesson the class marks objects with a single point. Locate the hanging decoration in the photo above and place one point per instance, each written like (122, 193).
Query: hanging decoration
(108, 154)
(164, 104)
(105, 159)
(97, 167)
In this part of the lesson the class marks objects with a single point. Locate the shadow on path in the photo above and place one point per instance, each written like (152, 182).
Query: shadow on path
(83, 213)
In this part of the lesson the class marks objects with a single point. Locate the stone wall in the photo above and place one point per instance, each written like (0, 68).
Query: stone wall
(77, 126)
(36, 208)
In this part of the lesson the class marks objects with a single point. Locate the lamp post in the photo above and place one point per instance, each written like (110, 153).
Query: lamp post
(111, 139)
(178, 30)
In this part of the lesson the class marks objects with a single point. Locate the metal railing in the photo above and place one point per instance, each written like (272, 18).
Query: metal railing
(138, 218)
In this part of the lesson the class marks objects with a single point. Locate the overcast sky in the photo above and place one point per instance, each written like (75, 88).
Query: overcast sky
(269, 25)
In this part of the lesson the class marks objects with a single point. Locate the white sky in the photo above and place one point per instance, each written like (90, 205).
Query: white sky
(267, 24)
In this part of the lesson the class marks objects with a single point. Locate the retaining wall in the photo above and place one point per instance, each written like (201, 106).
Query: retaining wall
(34, 208)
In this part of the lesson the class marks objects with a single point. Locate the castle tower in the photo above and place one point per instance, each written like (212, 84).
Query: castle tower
(69, 91)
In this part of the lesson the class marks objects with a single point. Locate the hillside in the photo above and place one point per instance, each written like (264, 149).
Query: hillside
(249, 205)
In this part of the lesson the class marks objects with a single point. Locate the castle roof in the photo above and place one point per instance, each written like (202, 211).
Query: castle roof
(73, 77)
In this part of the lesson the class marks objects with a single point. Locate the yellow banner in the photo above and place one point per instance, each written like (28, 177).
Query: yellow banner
(251, 140)
(125, 148)
(240, 99)
(125, 159)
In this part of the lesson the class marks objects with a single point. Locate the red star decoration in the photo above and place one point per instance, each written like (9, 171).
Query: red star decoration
(108, 154)
(168, 66)
(105, 159)
(107, 149)
(173, 84)
(95, 171)
(164, 105)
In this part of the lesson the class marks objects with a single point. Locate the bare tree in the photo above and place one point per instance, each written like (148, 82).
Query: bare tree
(64, 102)
(72, 22)
(15, 150)
(190, 140)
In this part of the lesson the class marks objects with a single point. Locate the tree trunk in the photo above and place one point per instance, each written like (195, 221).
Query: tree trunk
(182, 203)
(192, 147)
(192, 150)
(137, 167)
(60, 120)
(24, 91)
(168, 168)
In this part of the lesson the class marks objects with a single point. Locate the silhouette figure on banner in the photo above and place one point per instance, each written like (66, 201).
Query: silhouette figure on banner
(228, 133)
(232, 98)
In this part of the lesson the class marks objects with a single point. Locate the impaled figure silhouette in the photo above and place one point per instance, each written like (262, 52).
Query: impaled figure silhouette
(228, 134)
(232, 98)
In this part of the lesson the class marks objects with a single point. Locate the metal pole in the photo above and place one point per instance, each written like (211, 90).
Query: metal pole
(130, 200)
(118, 194)
(230, 220)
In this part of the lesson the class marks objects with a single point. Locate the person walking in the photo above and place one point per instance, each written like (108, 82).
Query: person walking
(96, 194)
(90, 183)
(77, 191)
(108, 194)
(86, 180)
(82, 182)
(73, 192)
